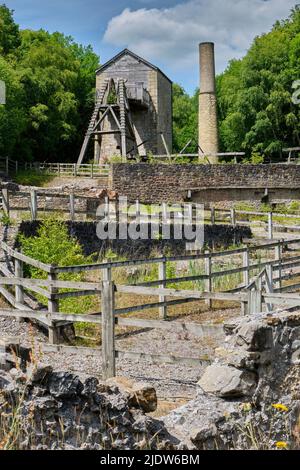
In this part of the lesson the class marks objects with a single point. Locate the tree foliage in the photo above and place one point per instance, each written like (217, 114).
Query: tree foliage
(185, 119)
(256, 110)
(50, 92)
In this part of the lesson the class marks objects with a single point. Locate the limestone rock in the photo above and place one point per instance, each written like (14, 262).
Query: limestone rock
(140, 395)
(254, 336)
(225, 381)
(38, 372)
(64, 384)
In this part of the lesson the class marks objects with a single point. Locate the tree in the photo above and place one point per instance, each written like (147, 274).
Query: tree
(256, 110)
(9, 31)
(185, 112)
(50, 92)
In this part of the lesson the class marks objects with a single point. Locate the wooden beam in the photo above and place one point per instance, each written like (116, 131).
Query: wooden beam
(108, 326)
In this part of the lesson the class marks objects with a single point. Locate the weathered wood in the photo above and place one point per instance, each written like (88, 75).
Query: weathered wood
(198, 330)
(46, 317)
(19, 290)
(53, 307)
(72, 206)
(108, 325)
(233, 217)
(292, 300)
(212, 216)
(140, 308)
(79, 293)
(25, 259)
(30, 283)
(278, 258)
(167, 358)
(180, 293)
(33, 204)
(255, 301)
(84, 351)
(246, 265)
(208, 281)
(5, 201)
(270, 225)
(162, 274)
(269, 285)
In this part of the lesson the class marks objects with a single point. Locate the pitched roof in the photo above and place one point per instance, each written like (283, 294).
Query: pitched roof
(140, 59)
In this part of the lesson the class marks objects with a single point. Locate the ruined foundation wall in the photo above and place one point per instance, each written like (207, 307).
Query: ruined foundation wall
(171, 183)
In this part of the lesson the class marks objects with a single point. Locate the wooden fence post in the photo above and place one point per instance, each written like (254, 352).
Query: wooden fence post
(7, 165)
(108, 325)
(255, 300)
(213, 216)
(233, 217)
(278, 257)
(246, 264)
(246, 279)
(53, 307)
(19, 290)
(162, 275)
(5, 201)
(33, 204)
(72, 206)
(269, 284)
(208, 281)
(270, 225)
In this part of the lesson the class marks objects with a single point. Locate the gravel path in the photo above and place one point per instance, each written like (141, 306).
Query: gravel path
(170, 380)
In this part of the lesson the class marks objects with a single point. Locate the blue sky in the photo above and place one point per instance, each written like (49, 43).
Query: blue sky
(165, 32)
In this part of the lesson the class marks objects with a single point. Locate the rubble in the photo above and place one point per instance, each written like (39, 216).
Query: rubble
(56, 410)
(249, 398)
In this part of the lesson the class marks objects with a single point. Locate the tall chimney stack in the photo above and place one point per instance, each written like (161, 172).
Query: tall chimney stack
(208, 120)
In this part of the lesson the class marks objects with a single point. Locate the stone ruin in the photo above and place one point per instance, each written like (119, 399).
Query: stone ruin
(249, 398)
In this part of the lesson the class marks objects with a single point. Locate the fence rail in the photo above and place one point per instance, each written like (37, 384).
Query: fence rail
(263, 288)
(65, 170)
(41, 201)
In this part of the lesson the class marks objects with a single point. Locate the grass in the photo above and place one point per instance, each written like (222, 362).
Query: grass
(32, 178)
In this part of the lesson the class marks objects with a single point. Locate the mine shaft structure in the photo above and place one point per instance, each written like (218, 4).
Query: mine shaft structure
(133, 110)
(111, 106)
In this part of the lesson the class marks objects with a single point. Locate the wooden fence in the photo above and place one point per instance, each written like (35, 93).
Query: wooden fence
(271, 221)
(64, 170)
(257, 289)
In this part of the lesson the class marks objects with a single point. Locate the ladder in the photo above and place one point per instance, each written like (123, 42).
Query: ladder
(93, 121)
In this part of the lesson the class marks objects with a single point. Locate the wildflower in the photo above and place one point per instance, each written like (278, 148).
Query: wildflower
(281, 445)
(280, 407)
(246, 407)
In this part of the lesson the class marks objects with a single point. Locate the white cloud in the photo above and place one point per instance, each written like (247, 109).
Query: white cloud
(170, 36)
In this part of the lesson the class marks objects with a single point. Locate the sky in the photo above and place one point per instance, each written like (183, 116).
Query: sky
(165, 32)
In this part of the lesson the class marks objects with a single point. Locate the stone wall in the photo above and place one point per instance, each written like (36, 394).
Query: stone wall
(249, 397)
(171, 183)
(85, 232)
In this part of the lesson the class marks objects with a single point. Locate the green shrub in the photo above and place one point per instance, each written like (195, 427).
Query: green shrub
(53, 245)
(32, 178)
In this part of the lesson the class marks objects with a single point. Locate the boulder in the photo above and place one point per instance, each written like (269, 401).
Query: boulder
(38, 373)
(254, 336)
(64, 384)
(140, 395)
(226, 381)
